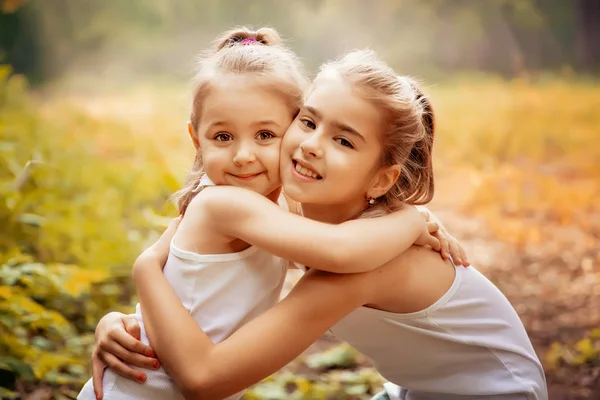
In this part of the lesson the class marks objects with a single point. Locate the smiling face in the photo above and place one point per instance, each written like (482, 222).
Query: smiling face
(330, 156)
(239, 134)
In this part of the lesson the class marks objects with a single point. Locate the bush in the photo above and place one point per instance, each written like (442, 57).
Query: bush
(74, 216)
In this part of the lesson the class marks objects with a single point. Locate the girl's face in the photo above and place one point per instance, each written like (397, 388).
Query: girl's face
(240, 131)
(330, 154)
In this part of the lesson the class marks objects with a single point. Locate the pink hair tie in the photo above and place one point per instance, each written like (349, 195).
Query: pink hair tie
(248, 41)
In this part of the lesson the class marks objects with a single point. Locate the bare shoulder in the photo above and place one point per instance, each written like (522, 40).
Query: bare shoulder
(196, 231)
(412, 281)
(402, 278)
(213, 196)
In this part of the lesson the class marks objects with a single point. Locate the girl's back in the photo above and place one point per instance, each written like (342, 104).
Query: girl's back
(476, 345)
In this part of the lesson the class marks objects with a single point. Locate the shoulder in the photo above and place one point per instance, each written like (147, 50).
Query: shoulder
(416, 260)
(416, 254)
(222, 199)
(209, 212)
(413, 280)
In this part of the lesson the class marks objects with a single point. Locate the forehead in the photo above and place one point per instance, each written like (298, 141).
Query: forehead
(336, 99)
(243, 97)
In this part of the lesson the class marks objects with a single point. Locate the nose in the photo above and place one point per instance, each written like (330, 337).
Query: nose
(311, 147)
(244, 154)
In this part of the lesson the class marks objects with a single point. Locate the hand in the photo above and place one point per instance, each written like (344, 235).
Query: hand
(117, 342)
(160, 249)
(450, 247)
(426, 238)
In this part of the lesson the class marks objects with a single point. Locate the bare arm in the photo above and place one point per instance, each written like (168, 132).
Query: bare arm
(203, 370)
(352, 246)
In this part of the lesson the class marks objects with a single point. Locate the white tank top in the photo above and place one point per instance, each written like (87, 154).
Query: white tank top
(222, 292)
(470, 344)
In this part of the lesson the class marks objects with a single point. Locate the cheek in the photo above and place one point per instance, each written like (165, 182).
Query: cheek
(351, 172)
(216, 157)
(271, 155)
(292, 139)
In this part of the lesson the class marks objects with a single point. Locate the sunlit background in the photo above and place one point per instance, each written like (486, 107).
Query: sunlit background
(94, 98)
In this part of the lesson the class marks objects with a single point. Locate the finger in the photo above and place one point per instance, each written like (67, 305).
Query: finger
(432, 226)
(463, 255)
(168, 234)
(454, 251)
(135, 359)
(443, 244)
(97, 375)
(172, 227)
(132, 326)
(434, 243)
(119, 367)
(163, 244)
(119, 338)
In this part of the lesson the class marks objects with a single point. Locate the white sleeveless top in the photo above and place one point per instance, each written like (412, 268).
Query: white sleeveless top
(222, 292)
(470, 344)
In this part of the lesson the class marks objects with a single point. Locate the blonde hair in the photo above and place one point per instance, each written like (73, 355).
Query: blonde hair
(275, 67)
(409, 124)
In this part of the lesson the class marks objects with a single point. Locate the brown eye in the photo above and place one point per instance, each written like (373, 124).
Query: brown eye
(265, 135)
(308, 123)
(344, 142)
(223, 137)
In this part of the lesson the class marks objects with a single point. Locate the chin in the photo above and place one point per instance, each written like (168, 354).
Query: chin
(294, 193)
(302, 196)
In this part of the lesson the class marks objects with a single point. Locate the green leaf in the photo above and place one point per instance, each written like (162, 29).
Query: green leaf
(341, 356)
(8, 394)
(21, 369)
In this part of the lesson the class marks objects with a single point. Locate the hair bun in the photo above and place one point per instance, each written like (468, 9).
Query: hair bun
(265, 36)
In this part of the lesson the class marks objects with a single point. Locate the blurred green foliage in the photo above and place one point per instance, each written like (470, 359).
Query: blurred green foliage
(584, 351)
(72, 222)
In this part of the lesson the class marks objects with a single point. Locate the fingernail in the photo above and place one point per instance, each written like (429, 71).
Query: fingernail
(98, 397)
(156, 364)
(151, 354)
(141, 377)
(458, 261)
(138, 338)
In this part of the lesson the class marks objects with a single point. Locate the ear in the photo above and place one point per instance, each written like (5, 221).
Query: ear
(383, 181)
(193, 135)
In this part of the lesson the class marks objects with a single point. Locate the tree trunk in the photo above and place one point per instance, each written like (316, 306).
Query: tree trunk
(587, 37)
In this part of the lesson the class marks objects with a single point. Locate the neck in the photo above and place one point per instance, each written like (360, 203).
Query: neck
(274, 195)
(332, 213)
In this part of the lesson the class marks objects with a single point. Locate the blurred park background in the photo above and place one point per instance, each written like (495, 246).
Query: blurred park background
(93, 106)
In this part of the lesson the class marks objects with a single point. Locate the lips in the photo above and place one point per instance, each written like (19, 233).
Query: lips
(246, 177)
(305, 169)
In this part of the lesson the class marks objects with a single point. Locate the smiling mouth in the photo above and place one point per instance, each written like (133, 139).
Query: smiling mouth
(305, 172)
(246, 177)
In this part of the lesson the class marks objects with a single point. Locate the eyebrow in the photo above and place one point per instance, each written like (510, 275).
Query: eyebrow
(216, 124)
(336, 124)
(266, 122)
(219, 124)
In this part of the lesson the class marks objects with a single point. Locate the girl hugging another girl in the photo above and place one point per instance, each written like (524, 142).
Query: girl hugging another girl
(227, 262)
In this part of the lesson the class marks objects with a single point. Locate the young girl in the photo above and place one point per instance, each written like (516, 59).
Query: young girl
(436, 331)
(246, 95)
